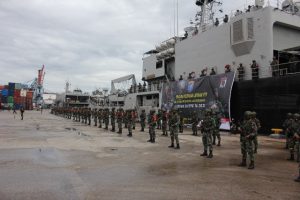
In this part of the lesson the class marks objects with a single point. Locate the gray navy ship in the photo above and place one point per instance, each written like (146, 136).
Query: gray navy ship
(257, 47)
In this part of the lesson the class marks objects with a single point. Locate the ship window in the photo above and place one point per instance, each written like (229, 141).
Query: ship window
(250, 28)
(148, 97)
(159, 64)
(238, 31)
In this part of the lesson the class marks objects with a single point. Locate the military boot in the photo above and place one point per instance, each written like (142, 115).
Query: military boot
(171, 146)
(298, 179)
(214, 141)
(129, 134)
(210, 154)
(153, 140)
(204, 153)
(243, 163)
(142, 130)
(251, 166)
(150, 140)
(219, 143)
(292, 157)
(255, 151)
(178, 146)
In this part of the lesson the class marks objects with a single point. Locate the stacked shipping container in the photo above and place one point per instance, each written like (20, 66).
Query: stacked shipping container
(12, 95)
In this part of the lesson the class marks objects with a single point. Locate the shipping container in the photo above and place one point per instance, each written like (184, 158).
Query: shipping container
(17, 93)
(11, 92)
(4, 92)
(3, 99)
(29, 94)
(10, 99)
(18, 86)
(2, 87)
(11, 86)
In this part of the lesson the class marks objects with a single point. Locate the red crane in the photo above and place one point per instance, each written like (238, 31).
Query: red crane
(41, 75)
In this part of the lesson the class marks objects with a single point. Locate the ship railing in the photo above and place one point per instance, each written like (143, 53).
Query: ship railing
(282, 69)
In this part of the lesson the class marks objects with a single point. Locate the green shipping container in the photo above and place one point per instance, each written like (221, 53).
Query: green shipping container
(10, 99)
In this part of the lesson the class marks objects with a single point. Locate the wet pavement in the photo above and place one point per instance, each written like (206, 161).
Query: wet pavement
(48, 157)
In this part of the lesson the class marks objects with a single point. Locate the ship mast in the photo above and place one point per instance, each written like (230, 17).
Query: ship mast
(206, 12)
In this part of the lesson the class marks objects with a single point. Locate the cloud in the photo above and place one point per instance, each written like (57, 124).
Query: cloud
(88, 42)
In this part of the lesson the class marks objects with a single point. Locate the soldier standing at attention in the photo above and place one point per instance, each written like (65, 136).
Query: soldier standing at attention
(195, 121)
(287, 128)
(120, 116)
(248, 132)
(125, 119)
(297, 137)
(292, 140)
(159, 118)
(164, 123)
(216, 132)
(113, 119)
(181, 122)
(130, 114)
(143, 120)
(22, 113)
(89, 115)
(207, 128)
(296, 128)
(94, 114)
(100, 118)
(106, 118)
(134, 116)
(174, 128)
(152, 123)
(258, 126)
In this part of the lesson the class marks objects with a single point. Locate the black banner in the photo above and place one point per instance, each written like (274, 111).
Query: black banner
(190, 95)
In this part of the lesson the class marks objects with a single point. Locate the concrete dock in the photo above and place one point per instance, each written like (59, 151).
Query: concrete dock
(49, 157)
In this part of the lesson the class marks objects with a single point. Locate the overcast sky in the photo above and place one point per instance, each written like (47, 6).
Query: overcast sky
(88, 42)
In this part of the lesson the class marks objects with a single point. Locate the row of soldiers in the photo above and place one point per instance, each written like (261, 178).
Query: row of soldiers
(172, 121)
(292, 131)
(128, 117)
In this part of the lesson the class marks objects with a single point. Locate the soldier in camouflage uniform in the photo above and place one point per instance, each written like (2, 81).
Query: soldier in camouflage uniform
(296, 128)
(216, 132)
(120, 116)
(152, 124)
(195, 121)
(297, 138)
(113, 120)
(106, 118)
(130, 116)
(207, 128)
(248, 131)
(159, 118)
(287, 124)
(165, 123)
(257, 122)
(95, 115)
(293, 130)
(125, 119)
(134, 116)
(174, 128)
(89, 115)
(143, 120)
(181, 122)
(100, 117)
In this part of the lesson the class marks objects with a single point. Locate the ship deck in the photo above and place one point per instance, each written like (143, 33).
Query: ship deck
(48, 157)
